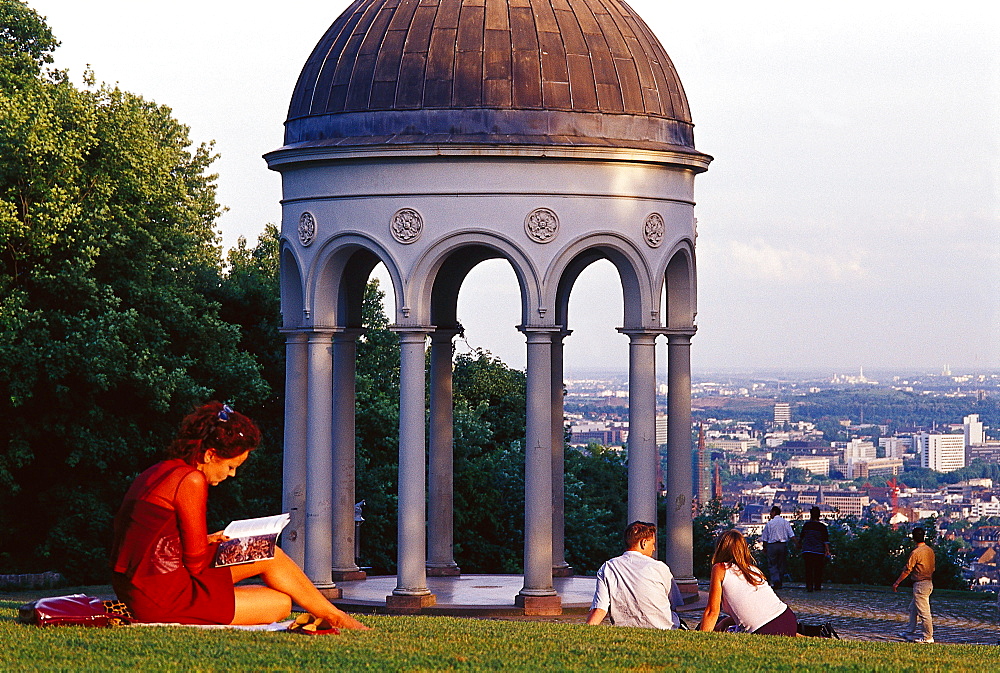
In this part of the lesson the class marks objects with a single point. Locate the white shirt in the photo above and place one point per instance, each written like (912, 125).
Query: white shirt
(636, 590)
(777, 530)
(751, 606)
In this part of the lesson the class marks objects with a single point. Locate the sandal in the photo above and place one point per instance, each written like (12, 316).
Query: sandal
(309, 625)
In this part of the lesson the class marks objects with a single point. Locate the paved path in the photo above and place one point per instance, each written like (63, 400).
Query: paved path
(871, 614)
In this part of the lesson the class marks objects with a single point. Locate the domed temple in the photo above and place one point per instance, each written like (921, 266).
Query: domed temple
(429, 136)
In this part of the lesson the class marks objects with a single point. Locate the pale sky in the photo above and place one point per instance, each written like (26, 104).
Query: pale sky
(851, 216)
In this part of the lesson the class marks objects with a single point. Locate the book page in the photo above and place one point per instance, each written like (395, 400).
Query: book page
(265, 525)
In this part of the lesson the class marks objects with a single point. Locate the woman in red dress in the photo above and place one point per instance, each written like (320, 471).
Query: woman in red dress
(162, 555)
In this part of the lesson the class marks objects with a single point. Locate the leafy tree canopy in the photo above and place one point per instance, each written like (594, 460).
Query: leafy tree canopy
(108, 332)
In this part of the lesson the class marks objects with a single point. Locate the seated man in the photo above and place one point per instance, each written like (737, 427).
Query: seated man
(634, 588)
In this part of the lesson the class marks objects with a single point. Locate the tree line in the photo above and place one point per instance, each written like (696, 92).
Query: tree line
(120, 311)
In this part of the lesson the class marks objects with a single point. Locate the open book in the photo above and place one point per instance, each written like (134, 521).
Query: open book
(250, 540)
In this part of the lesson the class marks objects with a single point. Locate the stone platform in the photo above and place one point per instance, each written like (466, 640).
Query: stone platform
(466, 595)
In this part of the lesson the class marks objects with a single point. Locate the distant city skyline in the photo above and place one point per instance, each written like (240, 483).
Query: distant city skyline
(851, 217)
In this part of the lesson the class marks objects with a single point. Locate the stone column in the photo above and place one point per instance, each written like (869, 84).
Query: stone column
(319, 478)
(441, 498)
(679, 538)
(345, 352)
(642, 455)
(560, 568)
(411, 592)
(538, 596)
(293, 469)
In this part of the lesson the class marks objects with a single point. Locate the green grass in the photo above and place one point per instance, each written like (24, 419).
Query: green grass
(445, 643)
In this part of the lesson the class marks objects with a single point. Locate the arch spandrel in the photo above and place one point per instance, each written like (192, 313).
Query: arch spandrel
(633, 272)
(338, 275)
(441, 257)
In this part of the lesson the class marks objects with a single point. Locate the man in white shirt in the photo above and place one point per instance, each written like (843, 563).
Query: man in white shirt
(635, 589)
(775, 536)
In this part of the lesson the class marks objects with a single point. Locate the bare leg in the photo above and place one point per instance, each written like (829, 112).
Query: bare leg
(287, 583)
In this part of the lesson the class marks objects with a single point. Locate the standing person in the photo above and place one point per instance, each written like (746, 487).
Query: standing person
(815, 544)
(634, 588)
(920, 566)
(738, 587)
(775, 536)
(162, 554)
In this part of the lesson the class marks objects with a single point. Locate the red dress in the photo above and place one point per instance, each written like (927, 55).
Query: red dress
(161, 557)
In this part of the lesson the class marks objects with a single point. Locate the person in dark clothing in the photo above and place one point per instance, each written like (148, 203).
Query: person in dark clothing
(815, 544)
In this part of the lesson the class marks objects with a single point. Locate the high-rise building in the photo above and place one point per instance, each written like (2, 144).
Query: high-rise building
(661, 429)
(973, 430)
(702, 469)
(944, 453)
(857, 450)
(782, 413)
(895, 447)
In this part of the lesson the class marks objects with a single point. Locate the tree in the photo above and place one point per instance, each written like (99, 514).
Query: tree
(108, 334)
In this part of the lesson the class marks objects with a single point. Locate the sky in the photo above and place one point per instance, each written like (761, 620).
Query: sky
(851, 217)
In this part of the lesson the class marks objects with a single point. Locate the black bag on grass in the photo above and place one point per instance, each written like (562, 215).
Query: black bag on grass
(818, 630)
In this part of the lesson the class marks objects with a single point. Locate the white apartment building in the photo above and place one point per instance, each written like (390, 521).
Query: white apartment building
(730, 445)
(782, 413)
(895, 447)
(973, 428)
(985, 508)
(858, 450)
(944, 453)
(813, 464)
(661, 429)
(875, 466)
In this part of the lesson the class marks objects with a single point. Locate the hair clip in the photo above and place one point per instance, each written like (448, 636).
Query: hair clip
(224, 413)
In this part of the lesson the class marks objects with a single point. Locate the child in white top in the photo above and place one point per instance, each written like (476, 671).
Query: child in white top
(739, 587)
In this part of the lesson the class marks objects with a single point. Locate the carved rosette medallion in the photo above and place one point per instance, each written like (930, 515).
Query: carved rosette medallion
(406, 225)
(307, 228)
(541, 225)
(653, 230)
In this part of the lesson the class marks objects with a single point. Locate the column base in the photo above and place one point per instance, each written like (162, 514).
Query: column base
(688, 587)
(563, 571)
(331, 592)
(348, 575)
(444, 571)
(408, 605)
(539, 605)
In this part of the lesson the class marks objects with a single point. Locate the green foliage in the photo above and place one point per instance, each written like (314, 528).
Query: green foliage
(596, 507)
(108, 333)
(712, 519)
(26, 44)
(867, 552)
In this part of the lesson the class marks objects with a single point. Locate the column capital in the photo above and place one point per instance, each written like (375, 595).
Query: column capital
(640, 335)
(679, 331)
(296, 335)
(446, 332)
(411, 334)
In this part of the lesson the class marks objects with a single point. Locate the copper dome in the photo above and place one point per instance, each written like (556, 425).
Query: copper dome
(536, 72)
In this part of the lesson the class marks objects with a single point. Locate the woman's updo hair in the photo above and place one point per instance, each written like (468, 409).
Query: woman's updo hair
(214, 426)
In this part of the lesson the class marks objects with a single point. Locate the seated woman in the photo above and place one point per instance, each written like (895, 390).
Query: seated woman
(162, 554)
(739, 588)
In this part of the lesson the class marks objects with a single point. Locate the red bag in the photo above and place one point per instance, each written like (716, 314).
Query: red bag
(74, 610)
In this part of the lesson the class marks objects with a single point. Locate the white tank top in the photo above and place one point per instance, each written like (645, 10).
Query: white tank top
(751, 606)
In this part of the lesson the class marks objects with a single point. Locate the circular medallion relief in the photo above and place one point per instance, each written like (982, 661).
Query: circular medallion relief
(307, 228)
(653, 230)
(406, 225)
(541, 225)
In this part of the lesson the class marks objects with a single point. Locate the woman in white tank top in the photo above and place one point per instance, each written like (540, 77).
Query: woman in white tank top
(739, 588)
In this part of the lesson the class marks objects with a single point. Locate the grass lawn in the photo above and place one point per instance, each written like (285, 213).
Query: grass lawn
(446, 643)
